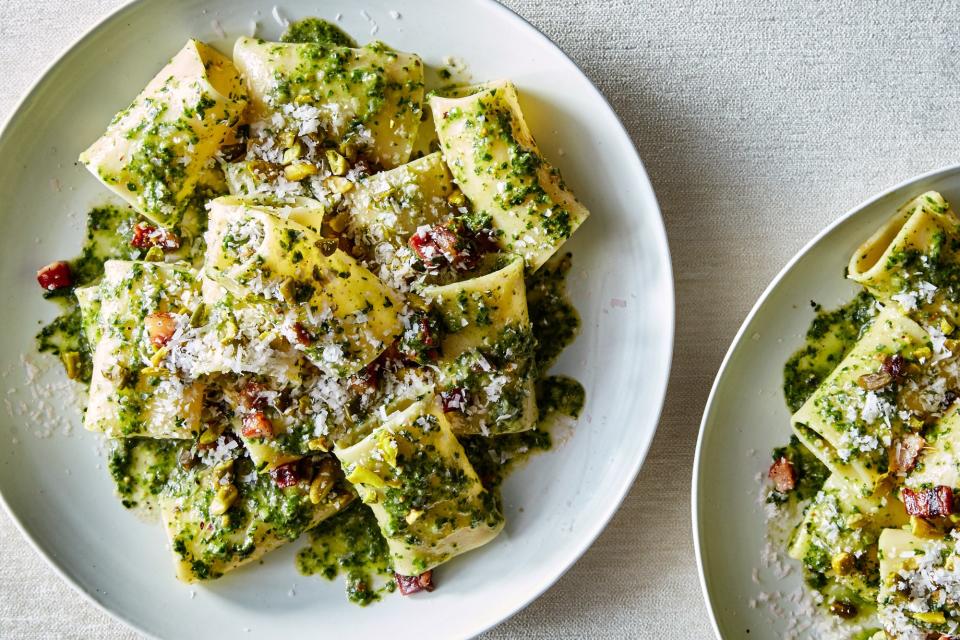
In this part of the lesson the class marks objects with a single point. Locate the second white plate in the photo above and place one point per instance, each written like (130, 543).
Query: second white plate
(746, 417)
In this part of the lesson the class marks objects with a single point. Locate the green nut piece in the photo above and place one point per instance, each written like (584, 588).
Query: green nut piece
(198, 316)
(228, 332)
(154, 254)
(210, 435)
(226, 495)
(223, 468)
(338, 164)
(293, 153)
(322, 482)
(71, 362)
(297, 171)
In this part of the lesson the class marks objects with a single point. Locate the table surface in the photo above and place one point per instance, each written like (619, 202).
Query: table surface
(759, 124)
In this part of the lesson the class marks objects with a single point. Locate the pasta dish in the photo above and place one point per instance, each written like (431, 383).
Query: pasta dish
(871, 474)
(328, 303)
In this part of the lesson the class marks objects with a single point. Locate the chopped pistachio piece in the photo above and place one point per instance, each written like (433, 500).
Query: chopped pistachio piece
(338, 184)
(293, 153)
(338, 164)
(226, 496)
(299, 170)
(71, 362)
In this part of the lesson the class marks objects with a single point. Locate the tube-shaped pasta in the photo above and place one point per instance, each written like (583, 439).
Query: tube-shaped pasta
(155, 151)
(850, 426)
(134, 390)
(331, 308)
(370, 98)
(425, 494)
(496, 162)
(913, 260)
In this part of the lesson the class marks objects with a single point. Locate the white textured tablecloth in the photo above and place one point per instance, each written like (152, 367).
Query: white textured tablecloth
(759, 122)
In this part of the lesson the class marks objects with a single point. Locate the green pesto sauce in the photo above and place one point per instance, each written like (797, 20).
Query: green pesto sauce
(811, 473)
(350, 542)
(831, 335)
(560, 394)
(554, 318)
(141, 467)
(108, 232)
(260, 503)
(317, 31)
(495, 458)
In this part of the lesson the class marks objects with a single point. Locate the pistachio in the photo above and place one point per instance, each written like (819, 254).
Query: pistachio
(71, 362)
(413, 516)
(297, 171)
(226, 495)
(228, 332)
(154, 372)
(922, 353)
(457, 198)
(323, 482)
(198, 315)
(154, 254)
(119, 375)
(293, 153)
(158, 356)
(842, 563)
(418, 302)
(930, 617)
(287, 138)
(874, 381)
(338, 184)
(945, 327)
(210, 435)
(223, 468)
(338, 164)
(317, 444)
(303, 98)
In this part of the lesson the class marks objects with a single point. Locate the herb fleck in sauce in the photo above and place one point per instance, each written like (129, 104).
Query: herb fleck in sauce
(108, 232)
(317, 31)
(831, 335)
(351, 543)
(141, 468)
(555, 320)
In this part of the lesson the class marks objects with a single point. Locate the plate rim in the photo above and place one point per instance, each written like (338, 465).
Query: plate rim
(734, 346)
(668, 312)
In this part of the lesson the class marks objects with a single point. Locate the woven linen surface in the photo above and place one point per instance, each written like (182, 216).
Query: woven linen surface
(759, 122)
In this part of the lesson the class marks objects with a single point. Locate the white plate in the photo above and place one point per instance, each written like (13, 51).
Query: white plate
(746, 417)
(56, 487)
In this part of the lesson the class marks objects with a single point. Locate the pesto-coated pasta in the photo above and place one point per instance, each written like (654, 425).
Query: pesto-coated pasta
(155, 152)
(310, 317)
(496, 162)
